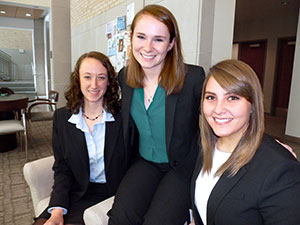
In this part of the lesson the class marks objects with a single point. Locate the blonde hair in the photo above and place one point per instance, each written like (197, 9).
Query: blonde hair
(173, 72)
(238, 78)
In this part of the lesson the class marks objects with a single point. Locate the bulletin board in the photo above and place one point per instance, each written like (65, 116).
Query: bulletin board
(118, 38)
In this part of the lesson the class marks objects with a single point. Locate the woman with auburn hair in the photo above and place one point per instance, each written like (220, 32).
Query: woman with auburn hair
(161, 98)
(243, 176)
(88, 146)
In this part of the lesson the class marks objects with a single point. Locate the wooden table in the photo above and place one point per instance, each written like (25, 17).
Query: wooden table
(8, 105)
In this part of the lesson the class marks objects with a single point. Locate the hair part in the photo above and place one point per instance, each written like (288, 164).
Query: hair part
(238, 78)
(173, 72)
(74, 96)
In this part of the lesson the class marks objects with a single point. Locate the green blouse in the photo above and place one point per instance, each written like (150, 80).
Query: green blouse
(151, 125)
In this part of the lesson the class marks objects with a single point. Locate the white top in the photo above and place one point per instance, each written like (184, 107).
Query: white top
(206, 182)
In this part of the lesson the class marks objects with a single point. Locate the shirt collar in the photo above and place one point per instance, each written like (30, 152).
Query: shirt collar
(78, 119)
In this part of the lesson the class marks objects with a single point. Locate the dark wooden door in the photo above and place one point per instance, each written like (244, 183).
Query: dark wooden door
(286, 51)
(254, 54)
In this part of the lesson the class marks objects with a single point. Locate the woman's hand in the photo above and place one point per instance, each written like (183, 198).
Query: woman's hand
(56, 217)
(288, 148)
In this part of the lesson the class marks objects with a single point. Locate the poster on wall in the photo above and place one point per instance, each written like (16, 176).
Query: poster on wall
(130, 13)
(112, 46)
(110, 29)
(121, 23)
(118, 39)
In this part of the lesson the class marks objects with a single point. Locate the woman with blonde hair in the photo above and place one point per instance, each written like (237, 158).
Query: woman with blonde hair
(243, 176)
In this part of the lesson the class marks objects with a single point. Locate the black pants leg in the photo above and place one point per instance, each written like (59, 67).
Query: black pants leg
(150, 195)
(171, 202)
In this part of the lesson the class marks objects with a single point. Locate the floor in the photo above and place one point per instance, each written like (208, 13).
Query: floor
(15, 200)
(275, 126)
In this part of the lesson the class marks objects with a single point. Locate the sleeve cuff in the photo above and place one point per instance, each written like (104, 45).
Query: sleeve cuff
(57, 207)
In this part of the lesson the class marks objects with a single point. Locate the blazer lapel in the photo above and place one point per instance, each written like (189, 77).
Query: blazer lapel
(223, 186)
(80, 146)
(111, 136)
(171, 101)
(126, 102)
(198, 166)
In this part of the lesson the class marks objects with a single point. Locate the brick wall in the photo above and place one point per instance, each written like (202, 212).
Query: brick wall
(83, 10)
(12, 38)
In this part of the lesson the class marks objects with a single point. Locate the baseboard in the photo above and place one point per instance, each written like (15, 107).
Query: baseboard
(292, 138)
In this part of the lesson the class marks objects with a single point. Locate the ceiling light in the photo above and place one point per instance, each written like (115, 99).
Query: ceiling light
(284, 2)
(2, 12)
(27, 14)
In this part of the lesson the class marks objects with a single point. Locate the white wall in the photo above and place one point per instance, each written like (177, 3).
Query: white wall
(90, 36)
(193, 26)
(38, 43)
(223, 30)
(60, 46)
(293, 121)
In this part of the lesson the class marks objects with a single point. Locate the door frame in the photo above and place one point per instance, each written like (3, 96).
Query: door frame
(276, 74)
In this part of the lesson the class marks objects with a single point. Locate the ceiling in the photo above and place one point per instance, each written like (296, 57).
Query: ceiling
(20, 12)
(249, 10)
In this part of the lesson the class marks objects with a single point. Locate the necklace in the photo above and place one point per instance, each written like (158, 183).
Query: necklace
(150, 99)
(92, 119)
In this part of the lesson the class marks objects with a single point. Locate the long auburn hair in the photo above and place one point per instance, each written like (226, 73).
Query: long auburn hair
(238, 78)
(173, 72)
(74, 96)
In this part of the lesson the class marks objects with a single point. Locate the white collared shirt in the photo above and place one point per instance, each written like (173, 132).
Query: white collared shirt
(95, 143)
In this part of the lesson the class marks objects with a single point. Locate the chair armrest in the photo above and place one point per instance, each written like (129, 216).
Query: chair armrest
(38, 99)
(97, 214)
(39, 177)
(35, 104)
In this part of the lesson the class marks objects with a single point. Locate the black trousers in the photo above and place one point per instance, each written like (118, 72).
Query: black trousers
(151, 194)
(95, 193)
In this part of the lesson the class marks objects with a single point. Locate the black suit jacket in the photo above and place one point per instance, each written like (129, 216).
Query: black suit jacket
(182, 119)
(71, 166)
(265, 191)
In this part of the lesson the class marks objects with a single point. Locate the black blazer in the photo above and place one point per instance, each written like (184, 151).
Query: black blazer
(182, 119)
(265, 191)
(71, 166)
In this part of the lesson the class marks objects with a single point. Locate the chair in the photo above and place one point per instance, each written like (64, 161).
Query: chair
(18, 123)
(45, 115)
(6, 90)
(39, 177)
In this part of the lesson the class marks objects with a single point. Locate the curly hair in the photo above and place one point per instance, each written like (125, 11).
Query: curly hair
(74, 96)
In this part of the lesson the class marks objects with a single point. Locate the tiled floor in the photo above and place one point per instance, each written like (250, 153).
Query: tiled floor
(15, 200)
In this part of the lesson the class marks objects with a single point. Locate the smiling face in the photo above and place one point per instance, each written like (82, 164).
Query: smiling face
(150, 43)
(93, 80)
(227, 114)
